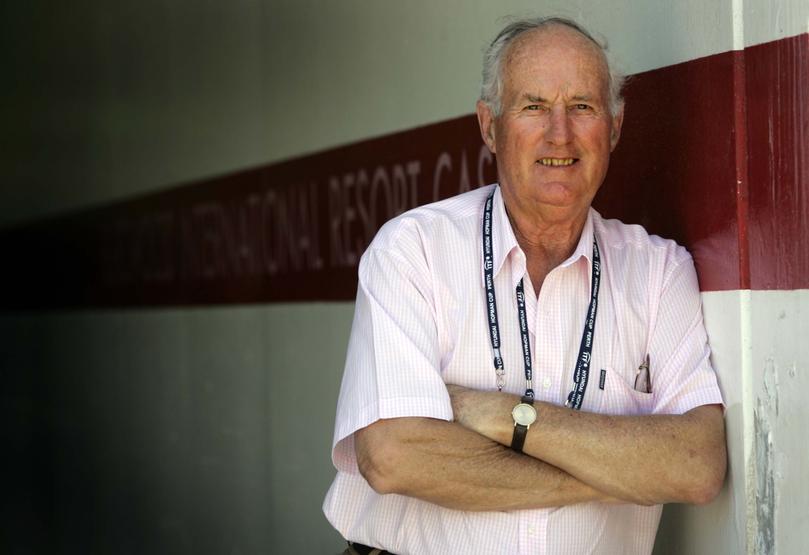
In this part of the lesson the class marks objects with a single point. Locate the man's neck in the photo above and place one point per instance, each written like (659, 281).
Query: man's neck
(546, 241)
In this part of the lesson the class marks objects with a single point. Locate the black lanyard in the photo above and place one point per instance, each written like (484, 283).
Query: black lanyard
(582, 371)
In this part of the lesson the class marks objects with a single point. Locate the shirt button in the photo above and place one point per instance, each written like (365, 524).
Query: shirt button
(532, 530)
(546, 383)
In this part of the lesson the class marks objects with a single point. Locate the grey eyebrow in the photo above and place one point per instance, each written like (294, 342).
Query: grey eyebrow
(577, 98)
(532, 98)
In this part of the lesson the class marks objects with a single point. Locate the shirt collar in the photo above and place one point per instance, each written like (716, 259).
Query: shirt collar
(504, 242)
(585, 246)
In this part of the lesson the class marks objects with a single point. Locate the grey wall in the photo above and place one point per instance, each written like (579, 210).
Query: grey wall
(170, 431)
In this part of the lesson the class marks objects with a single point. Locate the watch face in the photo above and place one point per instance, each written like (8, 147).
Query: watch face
(524, 414)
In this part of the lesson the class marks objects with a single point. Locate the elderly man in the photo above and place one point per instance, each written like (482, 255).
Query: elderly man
(523, 375)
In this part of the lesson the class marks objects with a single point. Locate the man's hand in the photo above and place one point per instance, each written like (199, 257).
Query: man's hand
(646, 459)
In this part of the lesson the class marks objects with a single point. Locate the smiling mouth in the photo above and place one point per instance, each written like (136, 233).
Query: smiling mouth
(557, 162)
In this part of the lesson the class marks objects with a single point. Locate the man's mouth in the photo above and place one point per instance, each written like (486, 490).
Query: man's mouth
(557, 162)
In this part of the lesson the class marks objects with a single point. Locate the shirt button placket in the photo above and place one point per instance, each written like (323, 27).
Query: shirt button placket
(531, 532)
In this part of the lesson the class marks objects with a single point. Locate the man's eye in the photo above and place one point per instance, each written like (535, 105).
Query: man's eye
(532, 107)
(582, 107)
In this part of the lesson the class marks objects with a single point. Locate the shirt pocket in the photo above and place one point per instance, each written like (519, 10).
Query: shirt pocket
(619, 395)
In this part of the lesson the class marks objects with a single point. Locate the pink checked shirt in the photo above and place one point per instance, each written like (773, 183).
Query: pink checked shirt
(420, 322)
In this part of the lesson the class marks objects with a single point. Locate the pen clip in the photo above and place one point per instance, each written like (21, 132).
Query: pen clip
(643, 381)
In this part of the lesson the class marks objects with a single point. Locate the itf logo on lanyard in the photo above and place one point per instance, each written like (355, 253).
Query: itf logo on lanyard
(581, 372)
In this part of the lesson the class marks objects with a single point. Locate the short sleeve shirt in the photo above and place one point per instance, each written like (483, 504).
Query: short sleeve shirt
(421, 322)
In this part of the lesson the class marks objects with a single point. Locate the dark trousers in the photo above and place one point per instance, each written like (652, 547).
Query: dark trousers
(359, 549)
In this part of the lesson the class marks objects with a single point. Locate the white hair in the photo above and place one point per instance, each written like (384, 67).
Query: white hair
(492, 87)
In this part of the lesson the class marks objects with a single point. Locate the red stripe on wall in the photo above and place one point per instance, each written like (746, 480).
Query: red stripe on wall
(704, 143)
(778, 146)
(742, 172)
(673, 171)
(291, 231)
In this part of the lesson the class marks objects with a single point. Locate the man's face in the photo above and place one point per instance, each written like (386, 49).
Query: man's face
(554, 134)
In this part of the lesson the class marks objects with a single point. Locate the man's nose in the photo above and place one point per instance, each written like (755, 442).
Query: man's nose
(558, 132)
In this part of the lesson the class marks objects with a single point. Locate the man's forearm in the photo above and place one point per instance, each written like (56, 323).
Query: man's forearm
(644, 459)
(649, 459)
(449, 465)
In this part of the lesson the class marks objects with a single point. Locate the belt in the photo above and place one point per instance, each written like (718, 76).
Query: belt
(360, 549)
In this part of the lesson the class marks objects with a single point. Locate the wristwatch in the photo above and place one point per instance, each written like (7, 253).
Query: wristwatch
(524, 415)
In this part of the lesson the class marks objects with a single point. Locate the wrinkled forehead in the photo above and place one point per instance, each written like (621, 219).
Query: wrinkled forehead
(555, 44)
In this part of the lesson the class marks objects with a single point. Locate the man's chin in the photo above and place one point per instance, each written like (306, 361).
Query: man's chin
(560, 195)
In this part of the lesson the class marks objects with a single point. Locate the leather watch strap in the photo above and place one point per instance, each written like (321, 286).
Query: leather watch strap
(520, 430)
(518, 439)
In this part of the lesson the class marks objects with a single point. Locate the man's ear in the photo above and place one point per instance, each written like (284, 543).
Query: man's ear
(615, 133)
(486, 123)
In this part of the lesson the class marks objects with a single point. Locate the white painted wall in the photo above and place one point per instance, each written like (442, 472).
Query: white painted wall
(215, 423)
(780, 386)
(765, 21)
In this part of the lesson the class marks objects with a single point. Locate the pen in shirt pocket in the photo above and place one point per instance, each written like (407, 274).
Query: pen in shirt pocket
(643, 381)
